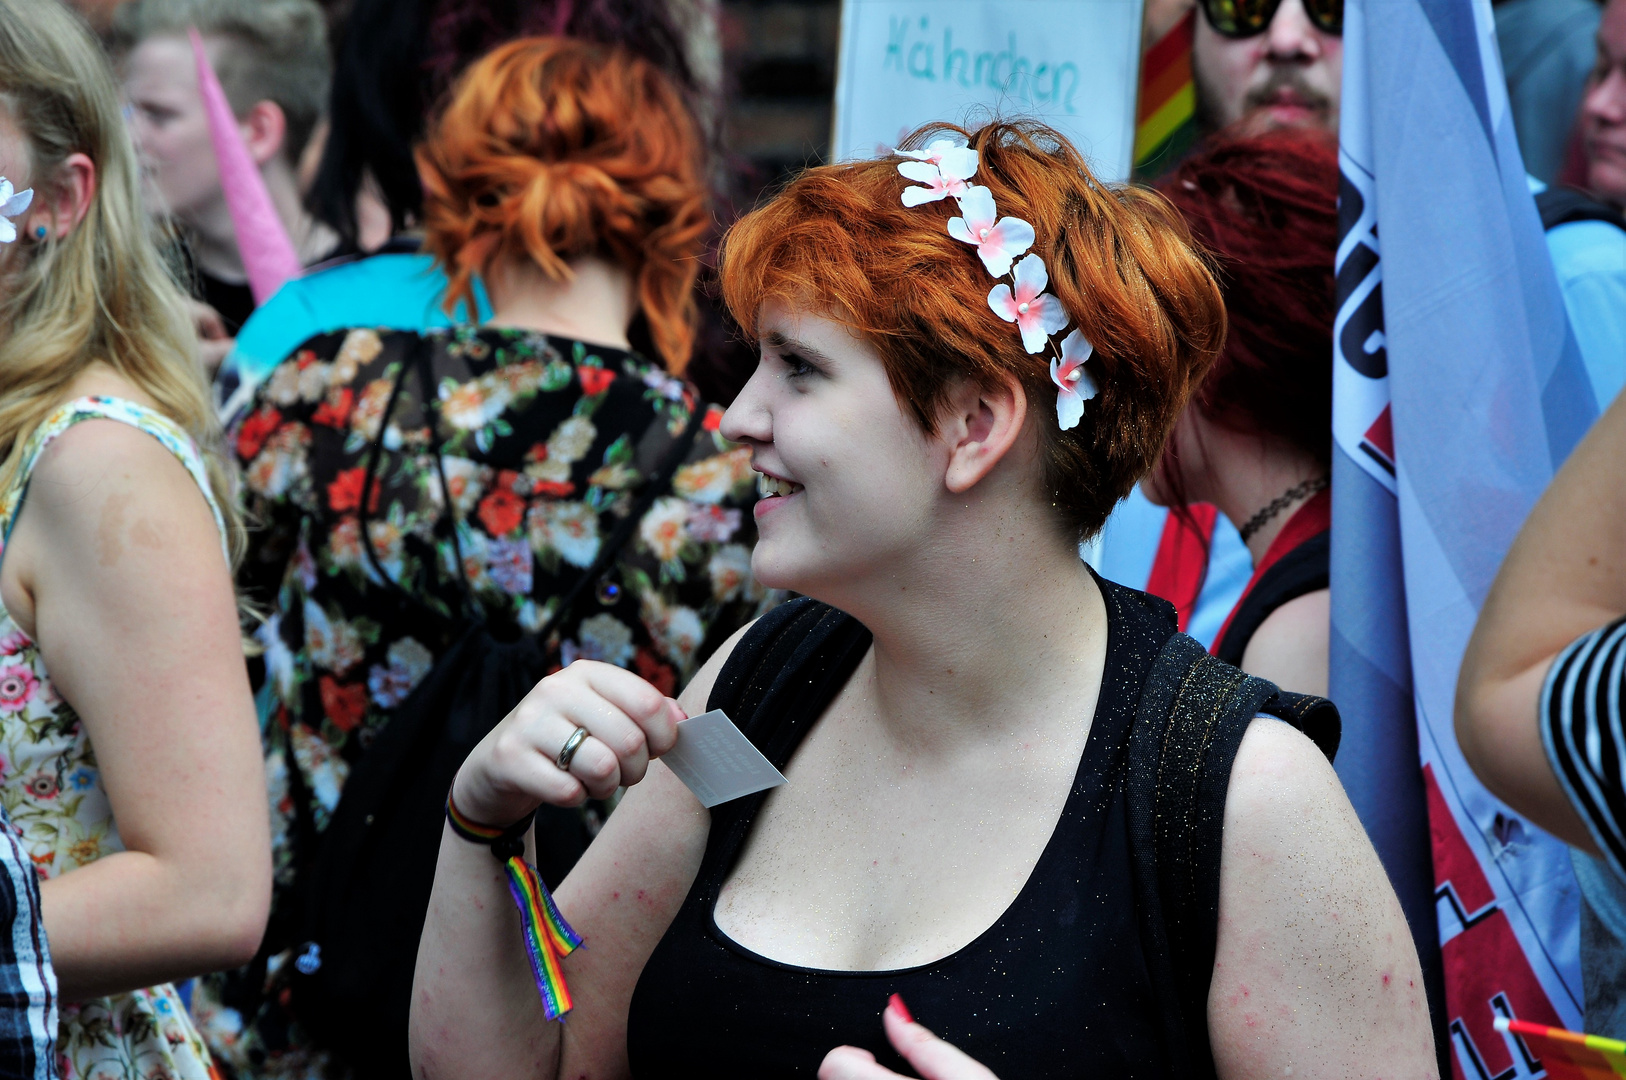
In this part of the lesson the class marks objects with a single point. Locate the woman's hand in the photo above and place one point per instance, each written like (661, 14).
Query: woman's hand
(931, 1057)
(515, 767)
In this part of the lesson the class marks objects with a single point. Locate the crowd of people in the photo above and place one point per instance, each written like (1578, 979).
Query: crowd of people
(343, 630)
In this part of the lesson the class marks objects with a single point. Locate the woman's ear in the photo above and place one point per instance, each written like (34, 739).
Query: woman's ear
(981, 424)
(66, 201)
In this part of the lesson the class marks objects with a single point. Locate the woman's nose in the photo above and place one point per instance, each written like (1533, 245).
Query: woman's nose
(749, 418)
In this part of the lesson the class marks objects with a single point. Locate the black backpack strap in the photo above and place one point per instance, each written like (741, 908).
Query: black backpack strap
(1192, 715)
(775, 685)
(785, 671)
(1560, 206)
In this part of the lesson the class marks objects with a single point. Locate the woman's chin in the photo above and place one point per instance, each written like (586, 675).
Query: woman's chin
(771, 570)
(777, 564)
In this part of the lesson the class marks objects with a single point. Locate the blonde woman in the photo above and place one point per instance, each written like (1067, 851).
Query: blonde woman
(129, 756)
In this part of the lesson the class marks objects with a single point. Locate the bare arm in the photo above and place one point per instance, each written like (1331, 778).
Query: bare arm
(1290, 646)
(121, 580)
(475, 1009)
(1565, 575)
(1315, 973)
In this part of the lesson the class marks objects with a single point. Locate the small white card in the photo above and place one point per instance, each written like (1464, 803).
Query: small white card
(717, 761)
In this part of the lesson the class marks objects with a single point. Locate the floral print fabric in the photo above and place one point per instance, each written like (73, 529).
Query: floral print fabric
(52, 791)
(545, 444)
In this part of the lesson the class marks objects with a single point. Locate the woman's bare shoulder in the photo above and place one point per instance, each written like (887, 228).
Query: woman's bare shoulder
(98, 464)
(1290, 646)
(1314, 959)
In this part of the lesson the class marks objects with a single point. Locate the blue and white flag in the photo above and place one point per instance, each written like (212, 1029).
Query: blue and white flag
(1458, 391)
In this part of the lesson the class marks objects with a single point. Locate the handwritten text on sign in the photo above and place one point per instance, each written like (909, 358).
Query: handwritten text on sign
(910, 50)
(1070, 63)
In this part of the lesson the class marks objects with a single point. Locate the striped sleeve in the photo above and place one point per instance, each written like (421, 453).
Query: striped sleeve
(1582, 732)
(28, 1002)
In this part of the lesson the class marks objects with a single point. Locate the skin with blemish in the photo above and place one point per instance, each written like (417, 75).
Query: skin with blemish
(110, 529)
(146, 534)
(1303, 946)
(113, 532)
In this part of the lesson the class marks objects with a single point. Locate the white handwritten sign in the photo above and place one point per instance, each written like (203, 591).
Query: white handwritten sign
(1072, 63)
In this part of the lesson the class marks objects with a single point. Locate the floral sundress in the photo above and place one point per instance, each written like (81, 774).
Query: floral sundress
(52, 791)
(545, 443)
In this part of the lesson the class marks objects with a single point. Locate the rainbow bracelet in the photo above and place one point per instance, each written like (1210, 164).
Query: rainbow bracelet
(548, 938)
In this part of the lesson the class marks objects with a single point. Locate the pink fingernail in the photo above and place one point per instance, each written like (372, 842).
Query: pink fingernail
(896, 1007)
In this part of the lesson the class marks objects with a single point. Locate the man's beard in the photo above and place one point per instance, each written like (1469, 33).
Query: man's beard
(1283, 77)
(1290, 79)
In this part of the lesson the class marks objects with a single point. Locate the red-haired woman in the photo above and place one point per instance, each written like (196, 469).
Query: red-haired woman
(509, 458)
(1256, 439)
(962, 712)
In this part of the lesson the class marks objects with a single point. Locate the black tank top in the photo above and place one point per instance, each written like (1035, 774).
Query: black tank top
(1303, 570)
(1059, 986)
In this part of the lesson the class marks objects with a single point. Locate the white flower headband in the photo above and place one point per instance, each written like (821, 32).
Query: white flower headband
(12, 203)
(945, 170)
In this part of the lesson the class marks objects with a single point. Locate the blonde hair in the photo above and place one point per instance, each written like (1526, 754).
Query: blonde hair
(103, 291)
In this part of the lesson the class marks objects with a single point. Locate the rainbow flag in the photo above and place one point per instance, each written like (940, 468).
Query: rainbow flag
(1568, 1055)
(1166, 120)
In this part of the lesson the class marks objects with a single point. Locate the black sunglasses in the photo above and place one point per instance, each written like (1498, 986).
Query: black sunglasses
(1246, 18)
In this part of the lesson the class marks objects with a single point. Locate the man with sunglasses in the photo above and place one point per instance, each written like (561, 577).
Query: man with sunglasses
(1268, 63)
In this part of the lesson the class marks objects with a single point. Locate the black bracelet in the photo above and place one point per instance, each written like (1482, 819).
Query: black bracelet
(505, 844)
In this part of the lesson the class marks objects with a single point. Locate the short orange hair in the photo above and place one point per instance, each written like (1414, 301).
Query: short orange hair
(554, 148)
(1120, 261)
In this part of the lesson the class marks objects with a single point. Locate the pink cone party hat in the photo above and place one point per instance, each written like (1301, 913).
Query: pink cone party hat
(268, 255)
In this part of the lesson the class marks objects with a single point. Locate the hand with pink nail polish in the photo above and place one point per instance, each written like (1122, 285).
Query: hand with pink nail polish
(931, 1057)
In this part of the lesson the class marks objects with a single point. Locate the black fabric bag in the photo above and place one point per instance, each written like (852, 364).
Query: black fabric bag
(1193, 712)
(360, 903)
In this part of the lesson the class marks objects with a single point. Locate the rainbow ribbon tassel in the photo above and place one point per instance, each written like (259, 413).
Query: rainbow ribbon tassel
(1569, 1055)
(548, 938)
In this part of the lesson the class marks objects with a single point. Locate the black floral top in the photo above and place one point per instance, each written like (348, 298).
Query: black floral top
(545, 444)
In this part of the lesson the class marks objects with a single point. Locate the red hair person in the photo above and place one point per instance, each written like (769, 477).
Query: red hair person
(567, 176)
(1256, 440)
(953, 700)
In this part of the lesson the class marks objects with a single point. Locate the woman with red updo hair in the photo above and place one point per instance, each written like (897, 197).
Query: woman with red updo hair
(532, 478)
(1074, 843)
(1256, 440)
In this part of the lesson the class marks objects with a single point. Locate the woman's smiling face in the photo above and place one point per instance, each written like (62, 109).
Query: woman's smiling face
(851, 482)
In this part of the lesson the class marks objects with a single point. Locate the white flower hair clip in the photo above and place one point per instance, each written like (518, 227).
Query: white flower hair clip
(944, 170)
(12, 203)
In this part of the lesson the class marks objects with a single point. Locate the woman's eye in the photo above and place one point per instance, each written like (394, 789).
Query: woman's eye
(796, 367)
